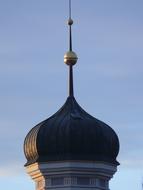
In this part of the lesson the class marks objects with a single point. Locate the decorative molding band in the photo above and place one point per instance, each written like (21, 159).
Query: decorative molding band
(75, 181)
(74, 175)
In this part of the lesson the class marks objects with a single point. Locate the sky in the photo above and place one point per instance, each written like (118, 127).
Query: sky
(108, 38)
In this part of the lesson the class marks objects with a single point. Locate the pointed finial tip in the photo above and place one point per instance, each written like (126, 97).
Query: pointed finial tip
(70, 58)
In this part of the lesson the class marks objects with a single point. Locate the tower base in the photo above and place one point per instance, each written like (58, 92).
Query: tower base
(72, 175)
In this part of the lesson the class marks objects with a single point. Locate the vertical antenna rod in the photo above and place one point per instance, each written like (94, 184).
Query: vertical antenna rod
(69, 8)
(70, 57)
(70, 22)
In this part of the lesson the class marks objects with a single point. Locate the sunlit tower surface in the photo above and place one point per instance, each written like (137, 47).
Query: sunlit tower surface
(71, 149)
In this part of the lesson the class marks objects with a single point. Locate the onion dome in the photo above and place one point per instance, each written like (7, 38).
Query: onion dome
(71, 133)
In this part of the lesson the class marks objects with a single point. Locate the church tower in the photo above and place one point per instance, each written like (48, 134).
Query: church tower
(71, 150)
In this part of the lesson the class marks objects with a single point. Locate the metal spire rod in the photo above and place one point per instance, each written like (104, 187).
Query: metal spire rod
(70, 57)
(69, 8)
(70, 38)
(70, 22)
(71, 89)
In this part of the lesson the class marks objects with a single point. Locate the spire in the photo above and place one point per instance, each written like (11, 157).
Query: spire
(70, 57)
(70, 22)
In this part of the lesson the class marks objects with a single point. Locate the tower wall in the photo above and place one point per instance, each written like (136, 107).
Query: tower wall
(71, 175)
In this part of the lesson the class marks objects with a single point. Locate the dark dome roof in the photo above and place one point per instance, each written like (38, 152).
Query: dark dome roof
(71, 134)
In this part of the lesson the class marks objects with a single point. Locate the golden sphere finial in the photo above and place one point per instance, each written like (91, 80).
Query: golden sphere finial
(70, 58)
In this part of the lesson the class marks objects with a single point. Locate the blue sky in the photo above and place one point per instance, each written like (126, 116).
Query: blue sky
(108, 38)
